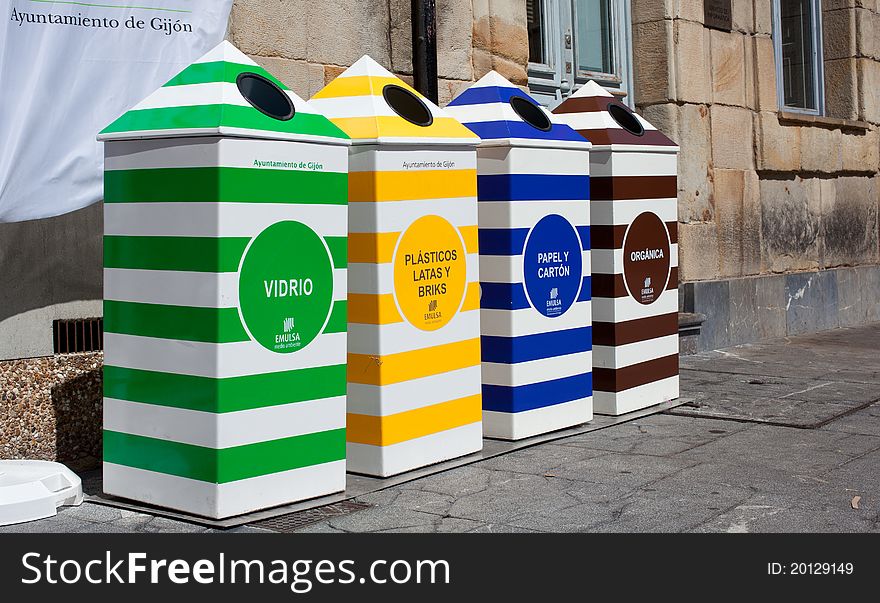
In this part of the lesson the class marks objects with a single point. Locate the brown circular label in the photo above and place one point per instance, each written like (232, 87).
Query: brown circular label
(646, 258)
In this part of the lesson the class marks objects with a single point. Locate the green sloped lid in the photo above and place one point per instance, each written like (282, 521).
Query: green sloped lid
(208, 98)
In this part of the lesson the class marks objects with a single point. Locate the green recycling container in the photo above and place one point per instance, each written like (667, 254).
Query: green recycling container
(225, 286)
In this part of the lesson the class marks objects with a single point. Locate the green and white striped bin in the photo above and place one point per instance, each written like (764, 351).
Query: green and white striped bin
(225, 261)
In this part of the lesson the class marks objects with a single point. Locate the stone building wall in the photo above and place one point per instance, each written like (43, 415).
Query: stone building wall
(764, 193)
(307, 44)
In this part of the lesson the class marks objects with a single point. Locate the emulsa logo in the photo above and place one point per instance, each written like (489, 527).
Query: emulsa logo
(293, 287)
(287, 334)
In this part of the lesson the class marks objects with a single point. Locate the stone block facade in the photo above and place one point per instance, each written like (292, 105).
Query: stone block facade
(308, 44)
(764, 192)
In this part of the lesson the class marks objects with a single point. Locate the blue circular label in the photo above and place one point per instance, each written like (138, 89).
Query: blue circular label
(553, 266)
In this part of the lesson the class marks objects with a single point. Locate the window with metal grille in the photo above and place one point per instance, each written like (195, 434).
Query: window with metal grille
(78, 335)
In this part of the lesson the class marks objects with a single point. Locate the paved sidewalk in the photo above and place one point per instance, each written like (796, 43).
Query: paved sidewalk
(731, 465)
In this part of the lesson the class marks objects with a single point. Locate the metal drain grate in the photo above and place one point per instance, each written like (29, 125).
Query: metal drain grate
(70, 336)
(296, 521)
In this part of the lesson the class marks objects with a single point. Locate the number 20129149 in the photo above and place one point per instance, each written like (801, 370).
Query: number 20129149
(815, 568)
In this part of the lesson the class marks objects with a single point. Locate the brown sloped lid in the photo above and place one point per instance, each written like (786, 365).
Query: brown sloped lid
(603, 120)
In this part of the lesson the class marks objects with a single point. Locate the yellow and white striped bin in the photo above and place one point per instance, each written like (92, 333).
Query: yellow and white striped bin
(414, 299)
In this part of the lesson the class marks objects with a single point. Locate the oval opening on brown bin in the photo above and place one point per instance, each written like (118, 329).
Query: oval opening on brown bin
(265, 96)
(625, 119)
(407, 105)
(531, 113)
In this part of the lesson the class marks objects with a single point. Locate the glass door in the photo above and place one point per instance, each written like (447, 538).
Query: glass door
(573, 41)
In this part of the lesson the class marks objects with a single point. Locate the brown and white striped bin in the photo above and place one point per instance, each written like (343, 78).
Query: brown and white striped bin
(634, 232)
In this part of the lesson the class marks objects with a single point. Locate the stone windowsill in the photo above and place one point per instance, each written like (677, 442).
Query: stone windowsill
(821, 121)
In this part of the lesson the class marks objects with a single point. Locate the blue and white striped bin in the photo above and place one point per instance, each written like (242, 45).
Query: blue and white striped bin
(534, 240)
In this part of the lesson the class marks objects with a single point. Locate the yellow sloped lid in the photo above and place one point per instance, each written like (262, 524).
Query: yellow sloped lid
(371, 104)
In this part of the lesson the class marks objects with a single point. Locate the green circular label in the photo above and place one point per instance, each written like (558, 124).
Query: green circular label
(285, 287)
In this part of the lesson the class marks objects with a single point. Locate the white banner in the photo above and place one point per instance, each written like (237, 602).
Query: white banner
(68, 69)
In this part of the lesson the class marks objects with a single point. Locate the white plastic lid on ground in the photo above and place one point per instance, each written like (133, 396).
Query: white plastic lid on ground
(31, 490)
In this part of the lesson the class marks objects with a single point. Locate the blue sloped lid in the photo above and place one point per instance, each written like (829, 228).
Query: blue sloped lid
(497, 111)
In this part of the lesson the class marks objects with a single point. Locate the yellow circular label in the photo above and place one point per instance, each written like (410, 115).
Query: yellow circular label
(430, 273)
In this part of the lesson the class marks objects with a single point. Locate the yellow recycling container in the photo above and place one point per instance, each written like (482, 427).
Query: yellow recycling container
(414, 299)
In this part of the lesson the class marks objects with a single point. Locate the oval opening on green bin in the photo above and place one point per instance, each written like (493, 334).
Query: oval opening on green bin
(530, 113)
(407, 105)
(265, 96)
(625, 119)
